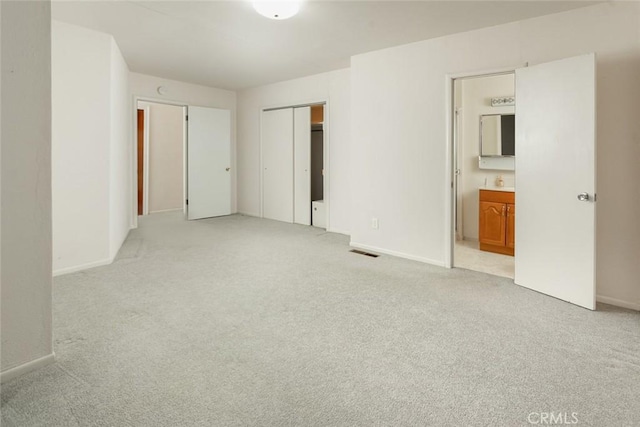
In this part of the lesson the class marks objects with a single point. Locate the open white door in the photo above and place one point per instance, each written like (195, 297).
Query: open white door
(208, 162)
(302, 165)
(555, 179)
(277, 164)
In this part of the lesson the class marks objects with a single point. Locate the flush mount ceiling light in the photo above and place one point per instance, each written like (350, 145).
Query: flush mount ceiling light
(283, 9)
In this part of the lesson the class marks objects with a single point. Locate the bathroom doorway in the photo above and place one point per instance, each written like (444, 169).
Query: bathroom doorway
(161, 140)
(484, 173)
(555, 135)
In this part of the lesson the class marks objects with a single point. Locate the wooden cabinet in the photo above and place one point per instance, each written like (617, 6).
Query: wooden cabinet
(493, 223)
(497, 221)
(511, 227)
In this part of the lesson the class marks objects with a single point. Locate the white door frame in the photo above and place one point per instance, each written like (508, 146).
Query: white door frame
(326, 151)
(302, 166)
(450, 196)
(134, 168)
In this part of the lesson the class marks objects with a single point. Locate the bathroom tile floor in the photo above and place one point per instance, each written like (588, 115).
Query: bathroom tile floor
(468, 256)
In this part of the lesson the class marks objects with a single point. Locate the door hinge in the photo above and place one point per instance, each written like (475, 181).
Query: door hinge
(186, 118)
(187, 202)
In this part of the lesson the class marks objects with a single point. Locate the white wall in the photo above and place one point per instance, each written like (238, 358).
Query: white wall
(80, 145)
(332, 87)
(91, 148)
(25, 186)
(476, 101)
(399, 133)
(121, 155)
(146, 87)
(166, 143)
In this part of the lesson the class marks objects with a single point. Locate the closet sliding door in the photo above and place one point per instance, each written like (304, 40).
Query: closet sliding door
(277, 164)
(302, 165)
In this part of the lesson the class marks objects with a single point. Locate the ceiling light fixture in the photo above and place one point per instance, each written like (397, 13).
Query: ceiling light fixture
(283, 9)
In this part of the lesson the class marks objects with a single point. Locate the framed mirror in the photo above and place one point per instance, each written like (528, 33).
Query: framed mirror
(498, 135)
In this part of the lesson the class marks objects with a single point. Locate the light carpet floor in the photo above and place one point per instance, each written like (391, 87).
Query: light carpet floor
(240, 321)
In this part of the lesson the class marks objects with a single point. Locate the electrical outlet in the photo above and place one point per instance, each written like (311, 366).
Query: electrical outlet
(374, 223)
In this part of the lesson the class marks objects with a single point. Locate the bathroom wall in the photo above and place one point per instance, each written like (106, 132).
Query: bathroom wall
(91, 148)
(475, 100)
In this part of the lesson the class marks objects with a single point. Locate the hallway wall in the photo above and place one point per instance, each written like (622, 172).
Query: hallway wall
(25, 180)
(91, 148)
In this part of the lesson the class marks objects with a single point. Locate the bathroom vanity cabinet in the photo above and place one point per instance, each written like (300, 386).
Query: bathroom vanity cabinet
(497, 221)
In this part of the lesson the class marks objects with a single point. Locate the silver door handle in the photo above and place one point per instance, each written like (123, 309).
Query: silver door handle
(584, 197)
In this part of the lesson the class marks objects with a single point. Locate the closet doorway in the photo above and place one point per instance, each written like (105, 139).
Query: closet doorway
(318, 211)
(293, 147)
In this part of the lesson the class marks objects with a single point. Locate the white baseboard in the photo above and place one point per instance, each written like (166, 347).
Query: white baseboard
(251, 214)
(333, 230)
(618, 303)
(12, 373)
(397, 254)
(76, 268)
(165, 210)
(92, 264)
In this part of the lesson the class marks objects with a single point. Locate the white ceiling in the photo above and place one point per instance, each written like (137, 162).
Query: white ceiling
(226, 44)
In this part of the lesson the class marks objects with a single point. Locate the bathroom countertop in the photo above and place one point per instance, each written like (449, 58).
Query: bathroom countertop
(507, 189)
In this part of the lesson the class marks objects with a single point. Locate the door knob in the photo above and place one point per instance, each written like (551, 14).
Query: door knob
(584, 197)
(229, 169)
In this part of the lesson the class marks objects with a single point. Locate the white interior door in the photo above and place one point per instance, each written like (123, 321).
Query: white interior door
(555, 164)
(302, 165)
(277, 164)
(208, 162)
